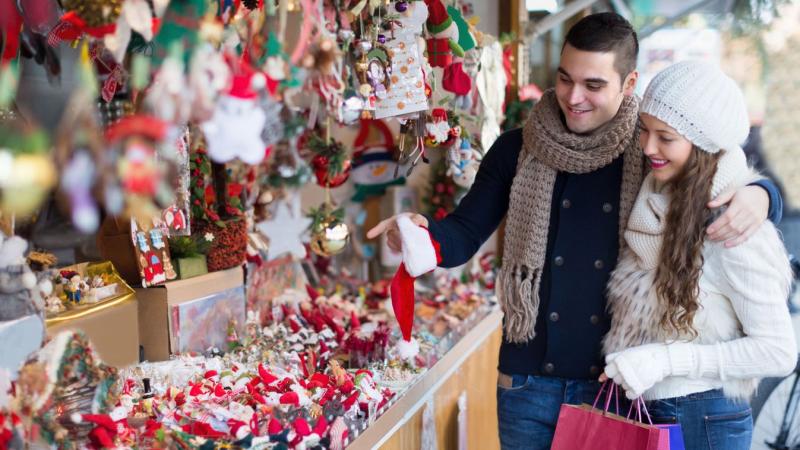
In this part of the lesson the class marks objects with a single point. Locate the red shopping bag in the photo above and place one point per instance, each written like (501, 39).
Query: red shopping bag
(586, 427)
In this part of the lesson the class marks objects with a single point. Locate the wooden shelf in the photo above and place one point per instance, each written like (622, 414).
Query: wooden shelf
(469, 366)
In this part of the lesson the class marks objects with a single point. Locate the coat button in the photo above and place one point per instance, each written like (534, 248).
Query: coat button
(595, 319)
(554, 317)
(559, 261)
(566, 203)
(598, 264)
(607, 207)
(549, 368)
(594, 371)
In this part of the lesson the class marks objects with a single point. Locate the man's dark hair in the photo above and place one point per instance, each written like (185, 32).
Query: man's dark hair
(607, 32)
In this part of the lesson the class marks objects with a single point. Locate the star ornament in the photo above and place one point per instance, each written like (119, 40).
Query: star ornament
(284, 231)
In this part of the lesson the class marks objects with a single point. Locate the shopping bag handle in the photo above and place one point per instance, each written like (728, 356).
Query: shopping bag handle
(610, 393)
(640, 405)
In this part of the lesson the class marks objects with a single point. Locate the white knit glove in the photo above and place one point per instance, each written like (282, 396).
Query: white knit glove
(637, 369)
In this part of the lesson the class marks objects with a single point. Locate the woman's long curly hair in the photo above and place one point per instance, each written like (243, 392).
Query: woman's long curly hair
(681, 260)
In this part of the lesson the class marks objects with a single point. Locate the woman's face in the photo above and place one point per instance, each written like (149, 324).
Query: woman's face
(666, 150)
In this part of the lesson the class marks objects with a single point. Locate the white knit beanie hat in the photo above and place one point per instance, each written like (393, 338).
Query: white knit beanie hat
(701, 103)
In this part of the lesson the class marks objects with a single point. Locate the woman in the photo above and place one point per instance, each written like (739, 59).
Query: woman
(696, 324)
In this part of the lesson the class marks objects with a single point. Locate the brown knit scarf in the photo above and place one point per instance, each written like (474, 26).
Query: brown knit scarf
(549, 147)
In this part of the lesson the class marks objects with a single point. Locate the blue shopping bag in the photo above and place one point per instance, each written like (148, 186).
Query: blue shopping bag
(675, 435)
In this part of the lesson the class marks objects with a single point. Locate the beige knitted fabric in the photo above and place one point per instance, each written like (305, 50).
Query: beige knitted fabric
(549, 147)
(646, 224)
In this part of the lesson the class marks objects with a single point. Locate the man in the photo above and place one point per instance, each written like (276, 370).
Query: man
(566, 183)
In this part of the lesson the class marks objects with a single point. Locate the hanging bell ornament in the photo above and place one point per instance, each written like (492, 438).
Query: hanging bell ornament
(329, 236)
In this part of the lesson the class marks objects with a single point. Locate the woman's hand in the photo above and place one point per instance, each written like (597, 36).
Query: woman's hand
(637, 369)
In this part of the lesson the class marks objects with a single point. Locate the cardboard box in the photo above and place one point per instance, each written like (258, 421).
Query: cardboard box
(155, 307)
(113, 331)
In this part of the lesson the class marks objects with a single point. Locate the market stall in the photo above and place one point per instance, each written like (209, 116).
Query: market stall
(183, 260)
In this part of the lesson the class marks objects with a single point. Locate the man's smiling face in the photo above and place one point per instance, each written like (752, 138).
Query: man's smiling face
(589, 89)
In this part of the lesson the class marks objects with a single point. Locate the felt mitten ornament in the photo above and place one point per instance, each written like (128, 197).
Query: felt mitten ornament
(420, 256)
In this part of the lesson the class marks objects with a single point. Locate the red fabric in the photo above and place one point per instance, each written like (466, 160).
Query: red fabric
(274, 426)
(585, 428)
(290, 398)
(10, 29)
(402, 290)
(455, 80)
(436, 12)
(439, 53)
(149, 126)
(403, 300)
(507, 69)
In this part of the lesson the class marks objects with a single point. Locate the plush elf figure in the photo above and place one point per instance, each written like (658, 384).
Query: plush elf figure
(444, 41)
(444, 49)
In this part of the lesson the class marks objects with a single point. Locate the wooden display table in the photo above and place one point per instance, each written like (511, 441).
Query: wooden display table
(469, 367)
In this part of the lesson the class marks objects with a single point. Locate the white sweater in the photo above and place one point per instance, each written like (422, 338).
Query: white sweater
(743, 323)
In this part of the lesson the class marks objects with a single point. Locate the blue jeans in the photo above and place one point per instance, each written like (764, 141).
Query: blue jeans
(527, 412)
(709, 420)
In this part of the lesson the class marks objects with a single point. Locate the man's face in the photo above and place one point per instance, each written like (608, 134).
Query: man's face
(589, 89)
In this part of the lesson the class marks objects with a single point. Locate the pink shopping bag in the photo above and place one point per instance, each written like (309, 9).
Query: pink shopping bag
(586, 427)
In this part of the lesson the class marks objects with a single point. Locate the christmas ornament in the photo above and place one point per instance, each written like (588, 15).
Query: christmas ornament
(330, 162)
(440, 133)
(420, 255)
(463, 163)
(26, 171)
(139, 174)
(180, 29)
(152, 255)
(406, 90)
(444, 49)
(465, 38)
(79, 150)
(95, 18)
(444, 41)
(284, 229)
(329, 232)
(235, 129)
(374, 165)
(135, 15)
